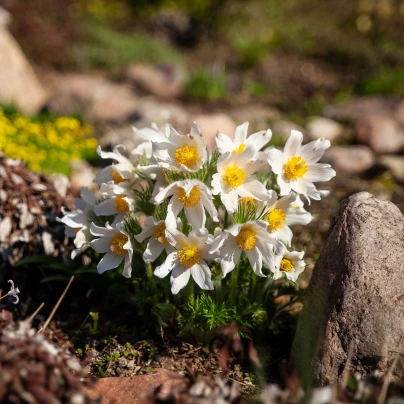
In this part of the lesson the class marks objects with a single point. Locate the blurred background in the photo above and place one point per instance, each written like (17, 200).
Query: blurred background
(78, 73)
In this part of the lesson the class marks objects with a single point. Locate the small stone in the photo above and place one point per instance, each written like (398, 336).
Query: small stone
(122, 362)
(395, 164)
(61, 183)
(354, 303)
(323, 127)
(382, 134)
(283, 128)
(211, 123)
(137, 389)
(349, 159)
(163, 81)
(130, 364)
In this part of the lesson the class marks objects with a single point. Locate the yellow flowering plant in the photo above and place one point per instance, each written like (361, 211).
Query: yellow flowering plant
(45, 145)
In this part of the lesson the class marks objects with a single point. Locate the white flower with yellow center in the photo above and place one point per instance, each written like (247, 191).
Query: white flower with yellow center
(251, 238)
(188, 260)
(155, 231)
(290, 264)
(297, 166)
(77, 224)
(282, 213)
(235, 178)
(241, 141)
(149, 135)
(191, 195)
(120, 172)
(117, 199)
(186, 153)
(115, 243)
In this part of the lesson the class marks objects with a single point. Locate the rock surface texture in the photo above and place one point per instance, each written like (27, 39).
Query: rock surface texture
(355, 301)
(19, 84)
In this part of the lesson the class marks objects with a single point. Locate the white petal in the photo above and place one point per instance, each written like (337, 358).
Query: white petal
(173, 209)
(255, 258)
(106, 208)
(101, 231)
(224, 143)
(202, 275)
(259, 139)
(196, 216)
(109, 261)
(319, 172)
(230, 200)
(218, 242)
(166, 192)
(164, 269)
(313, 151)
(285, 187)
(153, 250)
(176, 238)
(127, 269)
(240, 135)
(88, 196)
(276, 160)
(295, 217)
(253, 188)
(209, 206)
(101, 245)
(293, 144)
(230, 258)
(179, 278)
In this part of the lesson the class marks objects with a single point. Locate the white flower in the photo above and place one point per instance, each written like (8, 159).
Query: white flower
(155, 231)
(122, 171)
(190, 257)
(281, 213)
(155, 173)
(149, 135)
(191, 195)
(251, 238)
(289, 263)
(13, 292)
(241, 141)
(186, 153)
(297, 166)
(117, 199)
(235, 178)
(115, 242)
(78, 223)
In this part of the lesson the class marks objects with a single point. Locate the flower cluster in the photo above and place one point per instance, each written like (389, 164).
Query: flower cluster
(45, 146)
(200, 209)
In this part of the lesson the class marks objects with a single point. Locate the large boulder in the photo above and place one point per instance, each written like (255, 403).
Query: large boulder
(355, 300)
(19, 84)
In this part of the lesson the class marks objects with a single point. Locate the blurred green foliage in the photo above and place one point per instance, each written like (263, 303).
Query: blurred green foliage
(205, 84)
(105, 47)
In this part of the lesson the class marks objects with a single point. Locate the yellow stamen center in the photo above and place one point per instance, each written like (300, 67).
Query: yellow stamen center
(239, 149)
(248, 203)
(186, 155)
(117, 242)
(233, 176)
(120, 204)
(192, 199)
(286, 265)
(189, 255)
(276, 219)
(246, 238)
(160, 233)
(117, 177)
(295, 168)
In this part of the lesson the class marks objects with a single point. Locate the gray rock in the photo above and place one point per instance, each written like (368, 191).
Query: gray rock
(355, 300)
(395, 164)
(19, 84)
(163, 81)
(381, 133)
(350, 159)
(356, 108)
(323, 127)
(399, 112)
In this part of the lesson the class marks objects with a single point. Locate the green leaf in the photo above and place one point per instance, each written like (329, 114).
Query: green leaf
(54, 278)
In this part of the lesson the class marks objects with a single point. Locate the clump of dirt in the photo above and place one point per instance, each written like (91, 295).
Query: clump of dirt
(37, 367)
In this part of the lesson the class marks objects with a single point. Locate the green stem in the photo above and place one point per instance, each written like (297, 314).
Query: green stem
(149, 270)
(190, 290)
